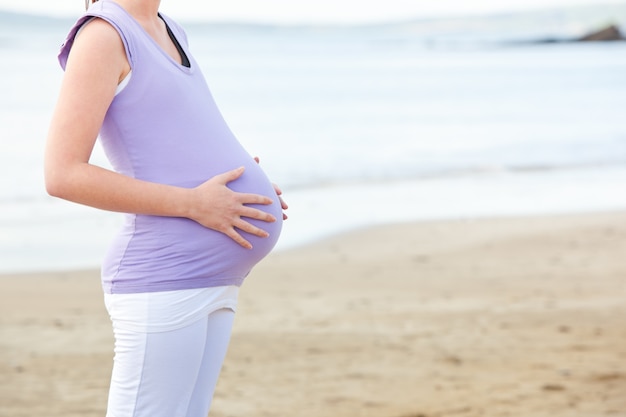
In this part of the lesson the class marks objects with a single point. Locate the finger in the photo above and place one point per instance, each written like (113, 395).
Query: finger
(250, 228)
(283, 205)
(229, 176)
(232, 233)
(253, 213)
(277, 189)
(245, 198)
(256, 158)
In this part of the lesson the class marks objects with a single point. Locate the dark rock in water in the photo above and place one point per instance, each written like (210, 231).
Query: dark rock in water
(610, 33)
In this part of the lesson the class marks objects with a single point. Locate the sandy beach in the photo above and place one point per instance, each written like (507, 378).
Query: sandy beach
(465, 318)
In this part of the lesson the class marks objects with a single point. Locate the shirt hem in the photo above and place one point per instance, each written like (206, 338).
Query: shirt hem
(123, 288)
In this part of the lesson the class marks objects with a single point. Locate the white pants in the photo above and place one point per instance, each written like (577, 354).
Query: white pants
(172, 370)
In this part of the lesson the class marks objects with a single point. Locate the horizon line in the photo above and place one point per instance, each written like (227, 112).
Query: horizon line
(334, 22)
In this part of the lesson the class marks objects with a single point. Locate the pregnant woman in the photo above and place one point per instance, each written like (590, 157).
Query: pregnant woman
(200, 212)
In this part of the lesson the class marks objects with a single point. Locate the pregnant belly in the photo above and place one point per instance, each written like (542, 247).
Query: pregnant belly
(215, 246)
(154, 250)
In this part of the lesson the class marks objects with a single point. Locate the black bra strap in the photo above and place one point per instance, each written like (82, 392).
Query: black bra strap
(181, 51)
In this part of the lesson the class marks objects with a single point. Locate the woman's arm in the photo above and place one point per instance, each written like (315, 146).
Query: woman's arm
(96, 64)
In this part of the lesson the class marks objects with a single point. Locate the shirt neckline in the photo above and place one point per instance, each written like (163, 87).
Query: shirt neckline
(173, 61)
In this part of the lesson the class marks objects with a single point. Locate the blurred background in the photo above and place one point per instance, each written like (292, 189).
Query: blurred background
(364, 113)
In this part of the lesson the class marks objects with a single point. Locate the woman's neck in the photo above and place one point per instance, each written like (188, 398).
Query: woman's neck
(145, 11)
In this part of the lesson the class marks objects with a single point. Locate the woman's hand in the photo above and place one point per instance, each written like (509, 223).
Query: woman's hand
(217, 207)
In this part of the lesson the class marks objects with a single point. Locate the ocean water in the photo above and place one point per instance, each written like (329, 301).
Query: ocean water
(358, 125)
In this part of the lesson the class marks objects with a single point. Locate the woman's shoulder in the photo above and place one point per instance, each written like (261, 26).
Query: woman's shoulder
(105, 23)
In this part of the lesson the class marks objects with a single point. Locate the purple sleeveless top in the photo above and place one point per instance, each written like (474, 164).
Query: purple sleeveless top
(165, 127)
